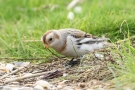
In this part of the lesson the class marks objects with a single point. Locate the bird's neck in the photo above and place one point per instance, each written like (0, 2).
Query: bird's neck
(60, 43)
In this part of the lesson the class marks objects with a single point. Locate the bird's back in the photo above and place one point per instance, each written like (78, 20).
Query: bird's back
(76, 47)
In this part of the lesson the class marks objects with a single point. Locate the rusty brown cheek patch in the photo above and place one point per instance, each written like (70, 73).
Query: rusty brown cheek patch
(56, 36)
(63, 47)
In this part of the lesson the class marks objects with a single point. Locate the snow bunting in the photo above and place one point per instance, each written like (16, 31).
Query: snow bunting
(72, 42)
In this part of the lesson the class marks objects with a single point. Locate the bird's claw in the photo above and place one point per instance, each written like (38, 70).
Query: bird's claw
(72, 62)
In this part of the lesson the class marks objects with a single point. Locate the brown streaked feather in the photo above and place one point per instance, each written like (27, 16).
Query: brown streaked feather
(63, 47)
(79, 34)
(56, 36)
(90, 36)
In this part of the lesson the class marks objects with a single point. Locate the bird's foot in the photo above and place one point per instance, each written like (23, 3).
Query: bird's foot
(72, 62)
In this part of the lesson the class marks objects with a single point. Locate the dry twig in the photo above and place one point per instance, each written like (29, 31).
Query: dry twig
(29, 76)
(22, 58)
(15, 71)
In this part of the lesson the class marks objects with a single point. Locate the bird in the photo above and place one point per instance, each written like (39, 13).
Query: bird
(73, 42)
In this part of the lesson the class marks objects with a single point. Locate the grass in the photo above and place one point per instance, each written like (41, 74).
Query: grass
(29, 19)
(126, 67)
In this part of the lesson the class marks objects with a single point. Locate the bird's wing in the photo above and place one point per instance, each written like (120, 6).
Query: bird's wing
(82, 37)
(78, 33)
(81, 41)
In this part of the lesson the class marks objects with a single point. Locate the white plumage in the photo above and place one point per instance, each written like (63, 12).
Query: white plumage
(72, 42)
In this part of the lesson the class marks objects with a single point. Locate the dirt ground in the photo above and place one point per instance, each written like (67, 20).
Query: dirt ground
(94, 72)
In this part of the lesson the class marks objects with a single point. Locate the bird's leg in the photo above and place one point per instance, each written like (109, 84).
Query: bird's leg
(72, 62)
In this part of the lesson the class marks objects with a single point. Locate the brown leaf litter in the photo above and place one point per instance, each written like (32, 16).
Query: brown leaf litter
(92, 73)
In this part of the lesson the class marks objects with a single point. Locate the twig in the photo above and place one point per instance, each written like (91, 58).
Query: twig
(15, 71)
(22, 58)
(29, 76)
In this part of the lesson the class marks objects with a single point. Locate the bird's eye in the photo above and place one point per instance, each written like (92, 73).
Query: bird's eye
(50, 39)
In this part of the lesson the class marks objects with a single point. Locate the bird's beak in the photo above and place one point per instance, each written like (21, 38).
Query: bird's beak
(46, 46)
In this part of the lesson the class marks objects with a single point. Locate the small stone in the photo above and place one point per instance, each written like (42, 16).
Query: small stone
(100, 56)
(64, 74)
(90, 89)
(44, 84)
(23, 88)
(17, 89)
(38, 87)
(9, 67)
(68, 88)
(6, 88)
(82, 85)
(59, 86)
(21, 64)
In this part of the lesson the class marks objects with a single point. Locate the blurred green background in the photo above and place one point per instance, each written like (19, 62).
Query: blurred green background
(28, 20)
(24, 20)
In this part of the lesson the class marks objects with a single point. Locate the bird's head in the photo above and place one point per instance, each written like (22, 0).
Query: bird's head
(50, 39)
